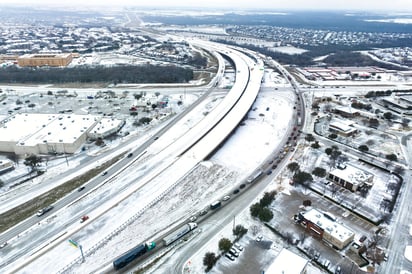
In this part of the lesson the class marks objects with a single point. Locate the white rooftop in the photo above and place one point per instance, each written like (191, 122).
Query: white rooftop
(336, 230)
(343, 125)
(31, 129)
(106, 124)
(287, 262)
(353, 175)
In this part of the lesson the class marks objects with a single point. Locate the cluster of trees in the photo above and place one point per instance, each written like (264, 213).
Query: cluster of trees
(372, 94)
(86, 74)
(360, 105)
(348, 58)
(197, 60)
(339, 55)
(261, 210)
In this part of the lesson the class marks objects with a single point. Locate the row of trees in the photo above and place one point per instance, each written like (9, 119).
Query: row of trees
(88, 74)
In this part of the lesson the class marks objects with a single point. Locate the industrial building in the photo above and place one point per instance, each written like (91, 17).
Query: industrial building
(288, 262)
(351, 177)
(24, 133)
(324, 226)
(38, 60)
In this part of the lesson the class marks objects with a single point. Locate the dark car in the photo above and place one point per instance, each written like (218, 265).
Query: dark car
(129, 155)
(203, 212)
(104, 173)
(236, 191)
(81, 188)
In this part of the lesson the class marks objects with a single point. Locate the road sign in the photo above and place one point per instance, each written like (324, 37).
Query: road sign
(74, 243)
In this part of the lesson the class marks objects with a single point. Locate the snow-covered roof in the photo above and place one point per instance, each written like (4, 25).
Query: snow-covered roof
(324, 221)
(287, 262)
(342, 125)
(35, 128)
(353, 175)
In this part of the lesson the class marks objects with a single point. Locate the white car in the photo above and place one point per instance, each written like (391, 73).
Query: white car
(259, 238)
(227, 197)
(229, 256)
(238, 247)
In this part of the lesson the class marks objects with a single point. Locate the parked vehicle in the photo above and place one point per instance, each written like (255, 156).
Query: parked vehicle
(234, 252)
(259, 238)
(238, 247)
(203, 212)
(229, 256)
(338, 270)
(132, 254)
(193, 218)
(179, 233)
(44, 210)
(227, 197)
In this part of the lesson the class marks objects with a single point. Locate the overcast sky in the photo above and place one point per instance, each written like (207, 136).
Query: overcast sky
(383, 5)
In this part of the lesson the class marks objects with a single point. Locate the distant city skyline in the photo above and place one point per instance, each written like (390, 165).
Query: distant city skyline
(365, 5)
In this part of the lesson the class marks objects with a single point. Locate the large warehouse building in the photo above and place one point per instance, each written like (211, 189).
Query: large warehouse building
(38, 60)
(45, 133)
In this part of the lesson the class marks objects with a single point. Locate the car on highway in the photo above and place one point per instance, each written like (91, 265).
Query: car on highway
(81, 188)
(227, 197)
(104, 173)
(129, 155)
(84, 218)
(3, 245)
(44, 210)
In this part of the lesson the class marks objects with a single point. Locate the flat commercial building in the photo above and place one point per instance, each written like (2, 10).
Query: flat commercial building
(38, 60)
(47, 133)
(288, 262)
(106, 127)
(342, 127)
(351, 177)
(324, 226)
